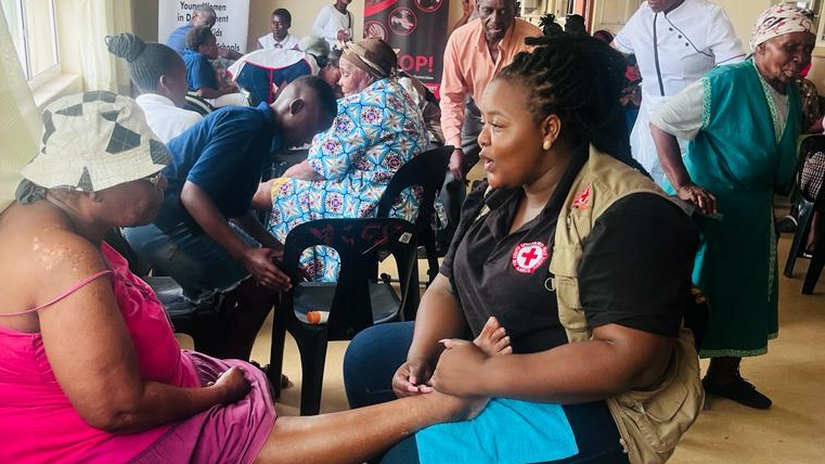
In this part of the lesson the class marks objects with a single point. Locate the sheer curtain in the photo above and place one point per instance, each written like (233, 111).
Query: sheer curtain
(96, 19)
(19, 117)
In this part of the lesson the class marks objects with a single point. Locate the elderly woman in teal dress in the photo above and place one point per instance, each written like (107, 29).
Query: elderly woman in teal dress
(378, 129)
(743, 121)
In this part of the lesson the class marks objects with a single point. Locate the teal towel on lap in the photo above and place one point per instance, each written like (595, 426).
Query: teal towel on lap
(506, 432)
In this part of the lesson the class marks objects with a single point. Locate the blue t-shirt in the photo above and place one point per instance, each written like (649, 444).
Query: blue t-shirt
(224, 155)
(199, 72)
(177, 39)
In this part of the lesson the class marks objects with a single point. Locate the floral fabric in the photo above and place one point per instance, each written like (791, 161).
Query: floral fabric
(375, 133)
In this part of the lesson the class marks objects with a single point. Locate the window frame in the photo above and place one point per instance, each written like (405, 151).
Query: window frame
(38, 80)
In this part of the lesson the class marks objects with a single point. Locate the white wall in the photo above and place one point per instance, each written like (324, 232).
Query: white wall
(743, 14)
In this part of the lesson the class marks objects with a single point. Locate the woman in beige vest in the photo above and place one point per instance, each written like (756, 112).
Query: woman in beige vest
(553, 130)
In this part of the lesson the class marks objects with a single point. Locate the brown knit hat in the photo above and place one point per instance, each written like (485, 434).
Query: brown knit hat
(373, 56)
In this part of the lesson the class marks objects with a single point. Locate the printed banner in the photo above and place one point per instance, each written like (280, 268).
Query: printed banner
(231, 26)
(416, 29)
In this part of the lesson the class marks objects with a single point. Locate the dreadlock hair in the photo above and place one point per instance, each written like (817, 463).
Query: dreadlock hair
(580, 79)
(549, 26)
(147, 61)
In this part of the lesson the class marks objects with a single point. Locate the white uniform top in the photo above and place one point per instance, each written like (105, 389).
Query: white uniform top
(675, 49)
(329, 21)
(165, 119)
(290, 42)
(273, 59)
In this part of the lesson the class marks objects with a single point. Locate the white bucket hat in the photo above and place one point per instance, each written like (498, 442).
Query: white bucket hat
(93, 141)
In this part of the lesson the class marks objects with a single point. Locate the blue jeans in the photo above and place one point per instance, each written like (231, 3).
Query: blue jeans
(199, 264)
(375, 354)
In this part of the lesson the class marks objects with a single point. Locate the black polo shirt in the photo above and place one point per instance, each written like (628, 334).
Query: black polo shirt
(635, 269)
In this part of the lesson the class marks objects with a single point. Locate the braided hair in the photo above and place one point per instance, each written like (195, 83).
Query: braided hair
(147, 61)
(580, 79)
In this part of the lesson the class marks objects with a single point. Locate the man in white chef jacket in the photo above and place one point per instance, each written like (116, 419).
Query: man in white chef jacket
(675, 42)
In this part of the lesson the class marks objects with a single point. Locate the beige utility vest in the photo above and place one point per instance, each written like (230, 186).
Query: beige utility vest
(650, 422)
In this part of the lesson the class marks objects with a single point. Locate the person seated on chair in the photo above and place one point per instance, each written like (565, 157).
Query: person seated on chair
(200, 75)
(582, 259)
(378, 129)
(262, 72)
(279, 38)
(202, 15)
(91, 371)
(428, 105)
(215, 169)
(160, 75)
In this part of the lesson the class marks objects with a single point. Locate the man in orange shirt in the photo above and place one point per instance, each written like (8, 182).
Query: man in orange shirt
(475, 53)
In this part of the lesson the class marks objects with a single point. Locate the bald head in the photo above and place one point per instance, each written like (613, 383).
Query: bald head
(305, 107)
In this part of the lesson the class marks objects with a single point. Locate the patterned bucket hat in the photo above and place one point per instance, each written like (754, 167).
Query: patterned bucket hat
(93, 141)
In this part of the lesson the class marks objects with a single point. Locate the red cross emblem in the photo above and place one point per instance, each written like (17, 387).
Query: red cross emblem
(527, 257)
(582, 201)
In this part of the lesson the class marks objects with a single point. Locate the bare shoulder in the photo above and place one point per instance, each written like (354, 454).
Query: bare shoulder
(44, 248)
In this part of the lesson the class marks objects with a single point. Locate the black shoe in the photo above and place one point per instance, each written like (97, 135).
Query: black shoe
(741, 391)
(786, 225)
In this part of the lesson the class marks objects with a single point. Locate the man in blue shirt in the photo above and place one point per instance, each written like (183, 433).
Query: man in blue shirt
(203, 15)
(215, 170)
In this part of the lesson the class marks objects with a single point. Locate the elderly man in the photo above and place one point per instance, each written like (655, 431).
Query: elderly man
(675, 42)
(475, 53)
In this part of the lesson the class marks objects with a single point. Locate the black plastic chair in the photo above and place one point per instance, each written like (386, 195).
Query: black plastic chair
(426, 171)
(357, 301)
(203, 322)
(806, 206)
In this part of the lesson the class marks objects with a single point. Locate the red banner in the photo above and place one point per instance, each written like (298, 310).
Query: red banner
(416, 29)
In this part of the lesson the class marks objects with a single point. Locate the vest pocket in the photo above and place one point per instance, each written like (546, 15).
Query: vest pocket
(652, 422)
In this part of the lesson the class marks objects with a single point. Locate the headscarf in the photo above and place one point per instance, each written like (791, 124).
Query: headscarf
(778, 20)
(373, 56)
(92, 141)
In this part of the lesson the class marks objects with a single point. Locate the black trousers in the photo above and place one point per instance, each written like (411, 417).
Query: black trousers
(454, 191)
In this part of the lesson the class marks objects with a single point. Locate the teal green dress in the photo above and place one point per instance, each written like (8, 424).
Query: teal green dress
(740, 159)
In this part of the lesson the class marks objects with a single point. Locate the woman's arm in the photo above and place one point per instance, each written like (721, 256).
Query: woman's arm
(439, 316)
(618, 359)
(682, 116)
(89, 348)
(303, 171)
(670, 156)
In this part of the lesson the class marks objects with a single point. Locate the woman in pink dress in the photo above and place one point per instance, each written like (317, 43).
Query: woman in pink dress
(91, 371)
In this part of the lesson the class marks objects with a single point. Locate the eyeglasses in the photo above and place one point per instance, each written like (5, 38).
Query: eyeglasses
(154, 179)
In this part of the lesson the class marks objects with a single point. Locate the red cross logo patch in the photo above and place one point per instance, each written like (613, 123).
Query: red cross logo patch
(582, 202)
(527, 257)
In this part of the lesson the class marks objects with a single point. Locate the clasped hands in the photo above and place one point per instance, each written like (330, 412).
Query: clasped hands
(458, 369)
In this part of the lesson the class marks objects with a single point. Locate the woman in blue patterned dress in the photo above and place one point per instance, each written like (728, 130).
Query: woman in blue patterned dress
(377, 130)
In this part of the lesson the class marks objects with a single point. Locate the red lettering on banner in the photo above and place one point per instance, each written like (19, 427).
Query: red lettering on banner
(417, 63)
